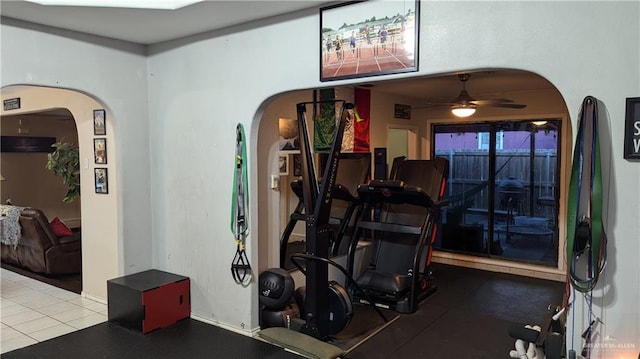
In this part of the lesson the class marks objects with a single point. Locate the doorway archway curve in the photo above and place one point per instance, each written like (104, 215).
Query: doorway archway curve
(542, 97)
(99, 213)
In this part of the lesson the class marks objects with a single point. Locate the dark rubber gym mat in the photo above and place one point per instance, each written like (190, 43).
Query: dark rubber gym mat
(186, 339)
(467, 317)
(365, 323)
(460, 335)
(516, 299)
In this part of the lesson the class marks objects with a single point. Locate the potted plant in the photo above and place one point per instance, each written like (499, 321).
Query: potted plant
(64, 161)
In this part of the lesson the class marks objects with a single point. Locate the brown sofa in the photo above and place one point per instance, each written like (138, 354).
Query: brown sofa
(40, 250)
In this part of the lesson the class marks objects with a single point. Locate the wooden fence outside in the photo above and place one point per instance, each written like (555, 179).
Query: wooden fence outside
(469, 172)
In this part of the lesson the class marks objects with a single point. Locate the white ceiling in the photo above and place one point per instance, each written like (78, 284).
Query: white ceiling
(154, 26)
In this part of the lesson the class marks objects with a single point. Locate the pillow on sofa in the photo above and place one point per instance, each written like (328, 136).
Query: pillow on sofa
(59, 228)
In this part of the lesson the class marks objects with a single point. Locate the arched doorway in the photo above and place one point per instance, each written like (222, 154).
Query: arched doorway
(98, 212)
(542, 99)
(27, 142)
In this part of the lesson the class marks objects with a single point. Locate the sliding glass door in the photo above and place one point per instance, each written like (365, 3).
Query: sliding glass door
(502, 189)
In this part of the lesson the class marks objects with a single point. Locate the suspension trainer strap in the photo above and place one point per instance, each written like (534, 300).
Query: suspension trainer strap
(240, 267)
(585, 232)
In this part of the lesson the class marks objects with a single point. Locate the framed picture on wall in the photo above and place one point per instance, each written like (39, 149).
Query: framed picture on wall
(289, 138)
(100, 151)
(283, 164)
(632, 129)
(99, 123)
(297, 165)
(368, 38)
(101, 180)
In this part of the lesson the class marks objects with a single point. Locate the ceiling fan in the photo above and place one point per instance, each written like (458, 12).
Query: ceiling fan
(464, 105)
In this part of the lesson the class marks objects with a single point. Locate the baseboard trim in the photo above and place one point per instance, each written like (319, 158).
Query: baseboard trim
(500, 266)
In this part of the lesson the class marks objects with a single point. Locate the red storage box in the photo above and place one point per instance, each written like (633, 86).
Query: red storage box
(148, 300)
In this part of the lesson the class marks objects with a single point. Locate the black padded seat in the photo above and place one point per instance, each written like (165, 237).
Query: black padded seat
(409, 208)
(391, 283)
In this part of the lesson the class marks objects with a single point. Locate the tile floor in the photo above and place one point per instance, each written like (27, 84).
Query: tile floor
(34, 311)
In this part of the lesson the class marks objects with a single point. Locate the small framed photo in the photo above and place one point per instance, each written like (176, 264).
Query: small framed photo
(289, 138)
(632, 129)
(99, 123)
(101, 180)
(100, 151)
(283, 164)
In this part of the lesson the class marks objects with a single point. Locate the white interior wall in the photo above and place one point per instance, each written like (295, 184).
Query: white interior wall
(503, 36)
(200, 88)
(44, 56)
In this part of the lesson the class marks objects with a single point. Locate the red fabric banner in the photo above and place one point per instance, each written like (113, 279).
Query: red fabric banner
(362, 101)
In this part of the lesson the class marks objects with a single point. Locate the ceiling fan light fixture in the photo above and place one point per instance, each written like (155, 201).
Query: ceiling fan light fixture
(463, 110)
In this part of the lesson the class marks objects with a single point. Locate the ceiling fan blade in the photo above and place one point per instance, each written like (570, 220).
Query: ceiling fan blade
(465, 100)
(508, 105)
(494, 101)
